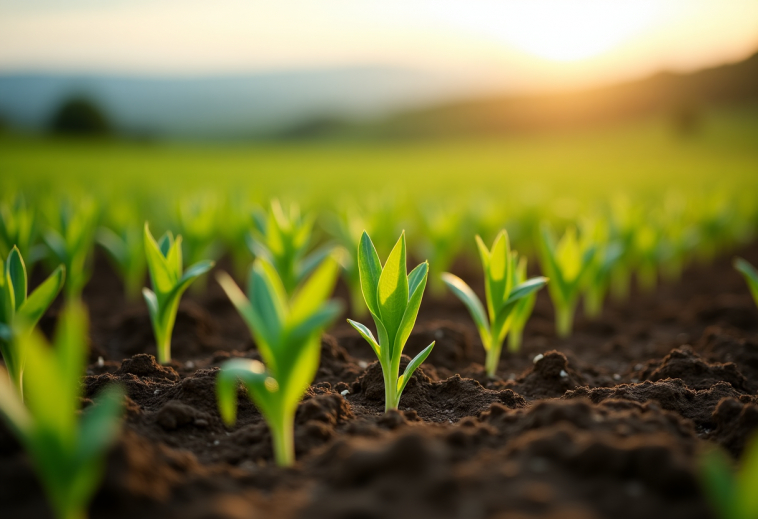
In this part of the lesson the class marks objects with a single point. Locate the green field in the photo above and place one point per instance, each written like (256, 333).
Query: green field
(645, 156)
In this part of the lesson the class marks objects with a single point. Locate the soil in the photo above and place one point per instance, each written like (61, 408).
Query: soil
(605, 424)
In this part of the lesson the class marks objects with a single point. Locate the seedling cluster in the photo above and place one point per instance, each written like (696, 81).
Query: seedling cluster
(287, 301)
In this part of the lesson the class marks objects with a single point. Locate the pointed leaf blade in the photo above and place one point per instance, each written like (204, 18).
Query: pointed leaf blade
(42, 297)
(393, 290)
(366, 334)
(370, 269)
(472, 302)
(15, 272)
(412, 366)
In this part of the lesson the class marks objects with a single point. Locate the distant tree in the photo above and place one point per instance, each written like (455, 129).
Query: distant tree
(79, 116)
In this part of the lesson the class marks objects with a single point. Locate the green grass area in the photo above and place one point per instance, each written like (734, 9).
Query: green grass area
(644, 156)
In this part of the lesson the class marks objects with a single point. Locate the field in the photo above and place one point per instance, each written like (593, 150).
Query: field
(608, 419)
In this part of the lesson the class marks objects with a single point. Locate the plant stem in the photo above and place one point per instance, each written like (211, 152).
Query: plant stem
(493, 359)
(515, 338)
(391, 399)
(564, 320)
(593, 302)
(164, 350)
(73, 512)
(283, 439)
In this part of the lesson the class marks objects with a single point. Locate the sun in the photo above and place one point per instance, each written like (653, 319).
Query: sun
(559, 30)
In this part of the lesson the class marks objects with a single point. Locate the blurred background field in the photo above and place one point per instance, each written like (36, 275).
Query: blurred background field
(497, 113)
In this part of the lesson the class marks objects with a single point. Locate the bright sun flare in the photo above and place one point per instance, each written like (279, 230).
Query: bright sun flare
(560, 30)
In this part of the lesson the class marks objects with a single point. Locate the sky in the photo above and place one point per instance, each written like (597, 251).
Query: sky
(518, 45)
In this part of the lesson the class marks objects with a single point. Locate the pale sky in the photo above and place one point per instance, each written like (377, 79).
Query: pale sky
(517, 44)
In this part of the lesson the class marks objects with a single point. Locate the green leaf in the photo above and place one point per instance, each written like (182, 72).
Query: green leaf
(165, 243)
(313, 260)
(99, 424)
(42, 297)
(15, 272)
(316, 321)
(314, 291)
(370, 269)
(751, 276)
(366, 334)
(163, 277)
(56, 243)
(174, 259)
(719, 483)
(411, 312)
(11, 407)
(250, 372)
(195, 271)
(472, 302)
(393, 290)
(152, 304)
(497, 276)
(747, 480)
(269, 299)
(115, 246)
(416, 276)
(526, 288)
(412, 365)
(265, 337)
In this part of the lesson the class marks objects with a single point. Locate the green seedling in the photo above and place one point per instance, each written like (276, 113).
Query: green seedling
(67, 449)
(71, 243)
(288, 336)
(731, 492)
(506, 287)
(522, 311)
(565, 263)
(598, 276)
(19, 313)
(393, 297)
(127, 251)
(750, 274)
(164, 261)
(18, 228)
(283, 239)
(198, 224)
(237, 217)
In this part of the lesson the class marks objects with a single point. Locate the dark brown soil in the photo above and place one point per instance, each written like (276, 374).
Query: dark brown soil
(606, 424)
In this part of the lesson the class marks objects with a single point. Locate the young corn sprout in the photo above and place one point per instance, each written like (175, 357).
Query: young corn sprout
(198, 224)
(393, 297)
(164, 261)
(18, 228)
(566, 264)
(67, 450)
(750, 274)
(598, 276)
(288, 336)
(236, 213)
(126, 248)
(506, 288)
(731, 492)
(71, 242)
(283, 238)
(523, 309)
(19, 313)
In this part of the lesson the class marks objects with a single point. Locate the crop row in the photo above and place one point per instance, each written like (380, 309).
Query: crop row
(286, 304)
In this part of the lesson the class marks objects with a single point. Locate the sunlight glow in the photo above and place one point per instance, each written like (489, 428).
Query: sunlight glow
(559, 30)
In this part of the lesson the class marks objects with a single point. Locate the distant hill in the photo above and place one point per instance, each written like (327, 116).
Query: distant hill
(676, 94)
(355, 101)
(223, 106)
